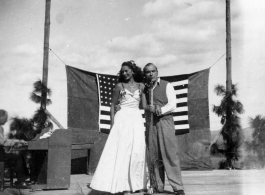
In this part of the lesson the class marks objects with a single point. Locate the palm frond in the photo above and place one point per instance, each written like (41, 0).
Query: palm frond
(37, 87)
(49, 92)
(216, 109)
(219, 90)
(238, 107)
(49, 102)
(35, 98)
(234, 90)
(36, 95)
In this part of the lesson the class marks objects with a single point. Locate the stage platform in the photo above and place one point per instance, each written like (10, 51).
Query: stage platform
(216, 182)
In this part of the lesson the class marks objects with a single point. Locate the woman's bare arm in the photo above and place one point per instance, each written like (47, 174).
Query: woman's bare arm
(115, 97)
(143, 97)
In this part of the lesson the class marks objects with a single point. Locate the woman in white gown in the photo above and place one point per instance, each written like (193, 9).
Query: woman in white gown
(122, 166)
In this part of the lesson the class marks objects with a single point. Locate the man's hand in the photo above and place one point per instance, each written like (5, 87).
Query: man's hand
(151, 108)
(20, 143)
(155, 109)
(23, 142)
(158, 110)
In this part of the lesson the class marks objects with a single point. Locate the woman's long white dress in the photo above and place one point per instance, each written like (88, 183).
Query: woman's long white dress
(122, 166)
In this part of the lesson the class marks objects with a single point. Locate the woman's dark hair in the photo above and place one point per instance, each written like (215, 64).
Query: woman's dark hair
(138, 73)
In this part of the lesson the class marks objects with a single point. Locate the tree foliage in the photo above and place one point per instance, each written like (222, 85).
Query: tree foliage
(24, 128)
(229, 110)
(28, 128)
(257, 145)
(36, 94)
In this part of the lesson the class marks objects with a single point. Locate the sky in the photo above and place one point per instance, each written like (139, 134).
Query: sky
(179, 36)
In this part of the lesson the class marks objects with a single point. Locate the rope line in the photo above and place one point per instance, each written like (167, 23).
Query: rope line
(56, 55)
(65, 64)
(218, 60)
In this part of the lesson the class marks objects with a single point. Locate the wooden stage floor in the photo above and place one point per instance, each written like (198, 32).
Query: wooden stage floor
(216, 182)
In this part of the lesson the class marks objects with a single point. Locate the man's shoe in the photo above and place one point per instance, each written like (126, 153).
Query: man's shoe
(154, 192)
(179, 192)
(23, 185)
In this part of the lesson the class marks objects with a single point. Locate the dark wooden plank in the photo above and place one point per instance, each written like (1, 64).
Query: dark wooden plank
(59, 159)
(81, 146)
(59, 167)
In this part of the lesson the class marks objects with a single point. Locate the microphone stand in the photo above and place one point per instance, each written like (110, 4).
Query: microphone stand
(150, 129)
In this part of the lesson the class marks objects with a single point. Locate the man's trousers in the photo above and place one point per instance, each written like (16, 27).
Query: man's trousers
(15, 161)
(163, 154)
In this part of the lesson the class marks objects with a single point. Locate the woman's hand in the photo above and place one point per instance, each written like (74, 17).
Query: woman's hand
(117, 107)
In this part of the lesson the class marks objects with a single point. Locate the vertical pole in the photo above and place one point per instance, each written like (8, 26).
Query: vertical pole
(46, 53)
(150, 150)
(228, 137)
(151, 92)
(228, 49)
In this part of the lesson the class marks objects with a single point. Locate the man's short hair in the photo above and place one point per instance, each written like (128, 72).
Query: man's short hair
(149, 64)
(3, 116)
(3, 113)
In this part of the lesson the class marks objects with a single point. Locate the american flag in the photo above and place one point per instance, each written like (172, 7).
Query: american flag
(106, 85)
(180, 114)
